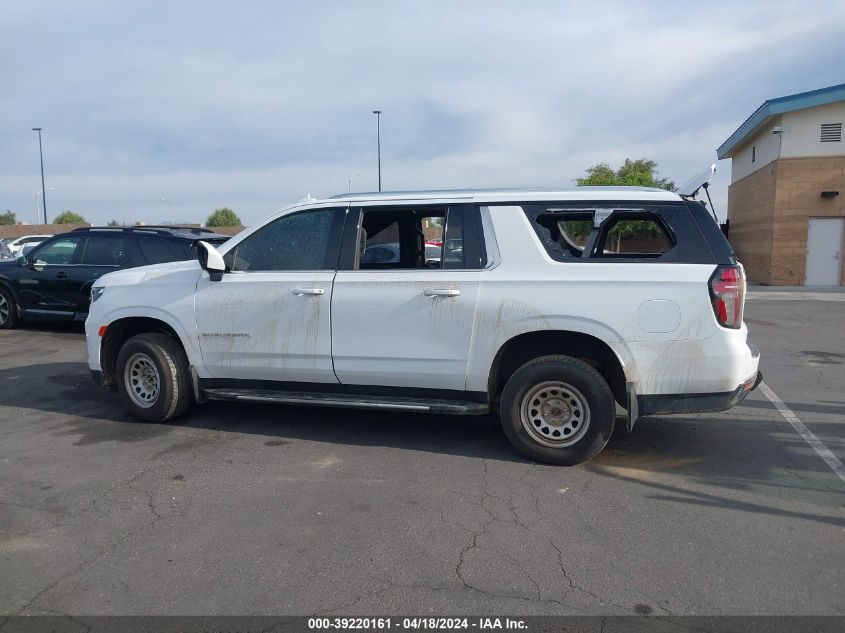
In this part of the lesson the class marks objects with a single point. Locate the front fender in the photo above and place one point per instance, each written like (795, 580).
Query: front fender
(186, 332)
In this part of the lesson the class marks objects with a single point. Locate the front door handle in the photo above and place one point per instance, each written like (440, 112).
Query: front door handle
(62, 275)
(441, 292)
(309, 291)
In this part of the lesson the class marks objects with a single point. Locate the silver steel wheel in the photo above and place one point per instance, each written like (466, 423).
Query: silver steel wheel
(555, 414)
(5, 310)
(142, 380)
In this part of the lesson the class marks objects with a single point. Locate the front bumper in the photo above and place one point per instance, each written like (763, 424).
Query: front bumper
(674, 403)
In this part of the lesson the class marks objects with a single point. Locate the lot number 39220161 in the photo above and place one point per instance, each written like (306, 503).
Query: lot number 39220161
(415, 623)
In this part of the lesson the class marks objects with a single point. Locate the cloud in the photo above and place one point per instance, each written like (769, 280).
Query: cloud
(255, 105)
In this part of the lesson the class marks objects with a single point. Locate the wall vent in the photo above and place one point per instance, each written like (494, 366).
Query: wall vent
(831, 133)
(753, 153)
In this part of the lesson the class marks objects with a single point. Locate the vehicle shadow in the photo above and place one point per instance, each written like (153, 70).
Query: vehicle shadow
(52, 326)
(734, 451)
(823, 406)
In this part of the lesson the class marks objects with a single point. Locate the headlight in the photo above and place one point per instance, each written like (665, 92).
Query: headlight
(97, 292)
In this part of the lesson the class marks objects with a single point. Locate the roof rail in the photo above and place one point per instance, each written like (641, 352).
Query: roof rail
(176, 227)
(159, 229)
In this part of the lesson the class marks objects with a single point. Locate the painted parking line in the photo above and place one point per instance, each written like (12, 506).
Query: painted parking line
(796, 296)
(814, 442)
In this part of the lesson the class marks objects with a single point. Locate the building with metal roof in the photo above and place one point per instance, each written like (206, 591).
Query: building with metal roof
(785, 201)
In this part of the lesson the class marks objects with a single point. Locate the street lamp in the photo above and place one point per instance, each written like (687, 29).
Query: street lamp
(378, 141)
(41, 154)
(37, 214)
(172, 210)
(350, 181)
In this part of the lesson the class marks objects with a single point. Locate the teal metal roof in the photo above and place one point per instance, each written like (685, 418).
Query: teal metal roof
(781, 105)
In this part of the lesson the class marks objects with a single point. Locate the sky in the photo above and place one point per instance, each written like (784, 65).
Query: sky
(161, 111)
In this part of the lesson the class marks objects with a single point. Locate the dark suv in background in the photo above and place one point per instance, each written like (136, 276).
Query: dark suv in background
(54, 279)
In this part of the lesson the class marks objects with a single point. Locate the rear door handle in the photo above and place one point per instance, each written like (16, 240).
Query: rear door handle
(62, 275)
(309, 291)
(441, 292)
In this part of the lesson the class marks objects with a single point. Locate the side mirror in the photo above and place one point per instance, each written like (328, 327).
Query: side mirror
(211, 260)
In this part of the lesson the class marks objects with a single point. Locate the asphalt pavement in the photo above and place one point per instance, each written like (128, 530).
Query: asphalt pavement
(253, 509)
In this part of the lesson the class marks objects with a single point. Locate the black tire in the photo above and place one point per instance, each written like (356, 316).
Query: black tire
(590, 399)
(8, 309)
(173, 395)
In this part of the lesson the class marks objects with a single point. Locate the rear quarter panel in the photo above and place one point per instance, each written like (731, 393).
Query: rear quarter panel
(664, 347)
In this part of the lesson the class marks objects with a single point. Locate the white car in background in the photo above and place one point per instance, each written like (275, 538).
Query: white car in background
(16, 244)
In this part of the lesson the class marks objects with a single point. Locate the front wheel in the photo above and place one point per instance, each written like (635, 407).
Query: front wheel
(558, 410)
(152, 377)
(8, 309)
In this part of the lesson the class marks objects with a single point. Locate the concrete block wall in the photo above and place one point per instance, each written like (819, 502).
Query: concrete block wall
(751, 202)
(769, 213)
(800, 182)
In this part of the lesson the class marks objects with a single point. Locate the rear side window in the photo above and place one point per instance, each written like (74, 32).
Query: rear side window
(411, 237)
(564, 234)
(634, 238)
(105, 251)
(627, 232)
(157, 251)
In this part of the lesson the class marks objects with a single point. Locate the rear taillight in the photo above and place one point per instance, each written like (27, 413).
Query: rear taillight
(727, 292)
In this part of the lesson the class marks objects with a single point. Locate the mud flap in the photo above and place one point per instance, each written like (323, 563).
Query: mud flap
(199, 394)
(633, 408)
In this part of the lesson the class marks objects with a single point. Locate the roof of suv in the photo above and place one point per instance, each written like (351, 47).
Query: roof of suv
(507, 195)
(183, 232)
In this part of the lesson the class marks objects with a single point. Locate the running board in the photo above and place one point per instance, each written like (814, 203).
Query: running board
(421, 405)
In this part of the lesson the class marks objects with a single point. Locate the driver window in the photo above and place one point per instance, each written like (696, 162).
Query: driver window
(61, 252)
(300, 241)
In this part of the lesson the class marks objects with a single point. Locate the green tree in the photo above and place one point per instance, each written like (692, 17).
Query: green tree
(223, 217)
(114, 223)
(8, 218)
(640, 173)
(69, 217)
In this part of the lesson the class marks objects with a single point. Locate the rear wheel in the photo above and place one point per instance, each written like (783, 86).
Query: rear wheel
(8, 309)
(558, 410)
(152, 377)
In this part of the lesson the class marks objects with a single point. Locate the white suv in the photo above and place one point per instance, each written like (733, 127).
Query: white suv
(17, 244)
(549, 307)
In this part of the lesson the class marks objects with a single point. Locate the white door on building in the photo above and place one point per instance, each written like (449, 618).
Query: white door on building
(824, 251)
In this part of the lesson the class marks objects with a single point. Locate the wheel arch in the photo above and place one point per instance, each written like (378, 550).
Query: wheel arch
(527, 346)
(120, 331)
(8, 285)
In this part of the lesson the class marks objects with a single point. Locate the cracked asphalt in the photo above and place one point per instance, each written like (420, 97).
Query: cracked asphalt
(250, 509)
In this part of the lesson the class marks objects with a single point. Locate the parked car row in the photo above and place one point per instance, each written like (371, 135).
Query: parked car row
(14, 246)
(53, 277)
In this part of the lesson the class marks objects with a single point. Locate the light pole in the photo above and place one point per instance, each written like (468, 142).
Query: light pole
(172, 211)
(41, 154)
(37, 213)
(350, 181)
(378, 141)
